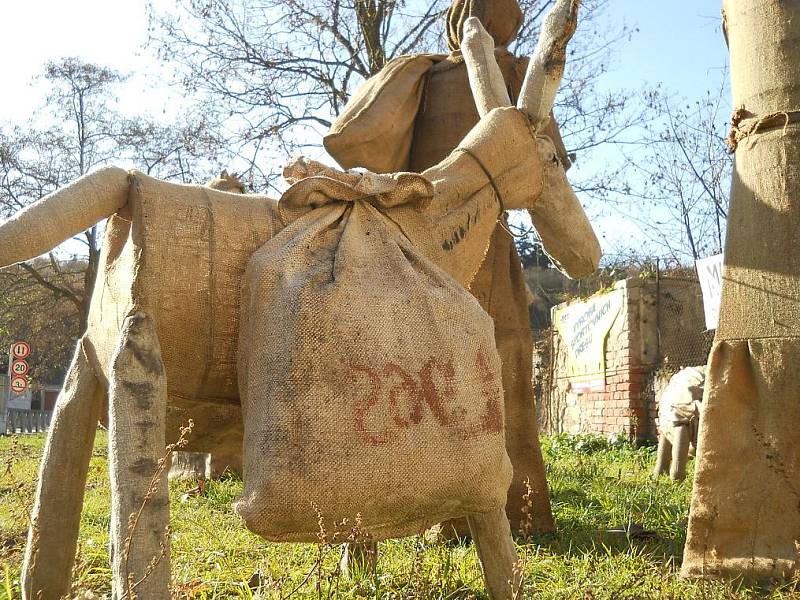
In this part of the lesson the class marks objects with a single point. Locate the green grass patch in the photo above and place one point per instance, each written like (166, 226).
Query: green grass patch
(596, 488)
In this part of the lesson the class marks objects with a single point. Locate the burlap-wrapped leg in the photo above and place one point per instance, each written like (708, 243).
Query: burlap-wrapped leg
(497, 554)
(56, 515)
(189, 466)
(358, 559)
(664, 455)
(680, 452)
(745, 513)
(137, 406)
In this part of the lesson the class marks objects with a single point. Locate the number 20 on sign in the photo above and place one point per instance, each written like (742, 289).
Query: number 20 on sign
(19, 367)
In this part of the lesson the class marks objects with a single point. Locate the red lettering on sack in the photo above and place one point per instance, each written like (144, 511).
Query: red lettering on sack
(492, 418)
(405, 399)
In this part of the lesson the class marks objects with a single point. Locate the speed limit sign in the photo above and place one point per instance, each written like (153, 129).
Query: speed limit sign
(20, 349)
(19, 384)
(19, 367)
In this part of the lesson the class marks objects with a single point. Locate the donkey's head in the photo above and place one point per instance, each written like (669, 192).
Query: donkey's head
(557, 214)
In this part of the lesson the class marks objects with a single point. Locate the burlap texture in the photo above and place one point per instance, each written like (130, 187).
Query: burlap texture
(178, 252)
(375, 129)
(371, 388)
(446, 113)
(502, 19)
(41, 226)
(745, 516)
(680, 401)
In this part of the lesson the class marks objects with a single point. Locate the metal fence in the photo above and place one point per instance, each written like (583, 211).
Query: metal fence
(19, 420)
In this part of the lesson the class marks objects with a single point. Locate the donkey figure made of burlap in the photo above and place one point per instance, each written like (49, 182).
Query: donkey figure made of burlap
(167, 301)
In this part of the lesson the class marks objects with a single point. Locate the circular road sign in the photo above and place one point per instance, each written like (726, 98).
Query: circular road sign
(20, 349)
(19, 367)
(19, 384)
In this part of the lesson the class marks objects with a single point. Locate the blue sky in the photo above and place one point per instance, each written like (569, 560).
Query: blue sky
(679, 44)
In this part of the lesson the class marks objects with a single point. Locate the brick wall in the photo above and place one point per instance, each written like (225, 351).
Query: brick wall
(627, 404)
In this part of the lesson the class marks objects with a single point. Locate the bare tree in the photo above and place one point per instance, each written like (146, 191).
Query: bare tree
(681, 177)
(271, 75)
(48, 321)
(83, 130)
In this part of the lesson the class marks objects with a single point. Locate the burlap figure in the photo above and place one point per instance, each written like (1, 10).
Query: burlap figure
(443, 112)
(745, 511)
(678, 420)
(165, 241)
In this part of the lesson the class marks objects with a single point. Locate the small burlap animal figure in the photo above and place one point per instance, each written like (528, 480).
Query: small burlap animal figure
(678, 420)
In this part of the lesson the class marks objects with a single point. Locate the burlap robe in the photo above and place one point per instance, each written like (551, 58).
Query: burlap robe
(370, 383)
(745, 511)
(423, 105)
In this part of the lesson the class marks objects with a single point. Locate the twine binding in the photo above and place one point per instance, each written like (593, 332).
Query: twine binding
(743, 127)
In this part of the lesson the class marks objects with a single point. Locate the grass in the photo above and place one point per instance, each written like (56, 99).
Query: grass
(595, 487)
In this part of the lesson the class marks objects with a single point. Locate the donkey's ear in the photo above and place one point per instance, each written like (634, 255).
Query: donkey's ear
(546, 67)
(485, 78)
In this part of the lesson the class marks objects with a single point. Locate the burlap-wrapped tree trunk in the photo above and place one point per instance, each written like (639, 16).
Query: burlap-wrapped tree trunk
(745, 512)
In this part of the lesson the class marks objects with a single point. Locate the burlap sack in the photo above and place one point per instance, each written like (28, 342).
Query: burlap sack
(369, 377)
(745, 512)
(374, 130)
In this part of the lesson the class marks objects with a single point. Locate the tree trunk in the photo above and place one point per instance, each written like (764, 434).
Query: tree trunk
(745, 512)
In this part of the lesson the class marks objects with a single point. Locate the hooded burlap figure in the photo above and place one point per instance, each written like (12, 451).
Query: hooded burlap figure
(501, 19)
(745, 511)
(410, 116)
(369, 377)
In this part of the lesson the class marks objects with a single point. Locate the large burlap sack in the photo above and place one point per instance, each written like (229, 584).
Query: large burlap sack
(370, 381)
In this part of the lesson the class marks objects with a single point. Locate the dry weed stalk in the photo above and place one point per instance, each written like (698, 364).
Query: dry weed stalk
(526, 533)
(133, 519)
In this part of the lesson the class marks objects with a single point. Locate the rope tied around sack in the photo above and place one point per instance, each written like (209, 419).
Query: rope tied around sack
(743, 126)
(496, 190)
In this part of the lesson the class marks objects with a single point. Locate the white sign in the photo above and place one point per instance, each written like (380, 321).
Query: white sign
(584, 327)
(709, 271)
(19, 385)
